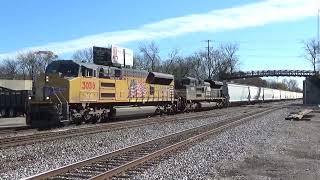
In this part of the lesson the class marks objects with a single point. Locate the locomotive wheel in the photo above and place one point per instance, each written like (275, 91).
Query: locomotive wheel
(104, 117)
(11, 112)
(78, 121)
(87, 118)
(3, 113)
(19, 113)
(94, 119)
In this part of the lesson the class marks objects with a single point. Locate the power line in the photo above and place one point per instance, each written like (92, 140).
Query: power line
(268, 56)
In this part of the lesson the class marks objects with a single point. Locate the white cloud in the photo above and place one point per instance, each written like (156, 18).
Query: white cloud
(250, 15)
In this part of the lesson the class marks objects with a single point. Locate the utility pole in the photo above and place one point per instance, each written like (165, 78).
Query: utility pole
(208, 57)
(318, 34)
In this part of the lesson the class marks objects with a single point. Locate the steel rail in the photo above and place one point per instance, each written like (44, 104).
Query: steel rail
(112, 164)
(53, 135)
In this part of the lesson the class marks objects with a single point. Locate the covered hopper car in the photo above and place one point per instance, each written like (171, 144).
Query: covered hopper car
(239, 93)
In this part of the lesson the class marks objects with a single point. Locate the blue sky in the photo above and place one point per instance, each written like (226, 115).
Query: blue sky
(269, 33)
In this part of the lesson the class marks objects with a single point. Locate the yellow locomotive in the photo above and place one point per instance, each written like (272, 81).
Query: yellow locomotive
(83, 92)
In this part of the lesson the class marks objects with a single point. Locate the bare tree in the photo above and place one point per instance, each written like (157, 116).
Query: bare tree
(170, 63)
(310, 52)
(83, 55)
(255, 81)
(183, 68)
(277, 85)
(229, 55)
(28, 64)
(149, 56)
(197, 67)
(9, 68)
(221, 61)
(292, 84)
(34, 63)
(212, 63)
(177, 65)
(44, 58)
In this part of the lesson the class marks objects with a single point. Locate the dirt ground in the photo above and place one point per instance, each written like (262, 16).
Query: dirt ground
(294, 153)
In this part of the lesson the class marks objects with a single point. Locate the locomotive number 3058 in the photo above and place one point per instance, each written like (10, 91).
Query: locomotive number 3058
(88, 85)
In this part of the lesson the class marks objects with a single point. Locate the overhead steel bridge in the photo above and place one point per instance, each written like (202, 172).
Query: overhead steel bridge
(275, 73)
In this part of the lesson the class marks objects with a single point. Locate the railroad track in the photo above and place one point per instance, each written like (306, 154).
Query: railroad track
(52, 135)
(130, 161)
(15, 130)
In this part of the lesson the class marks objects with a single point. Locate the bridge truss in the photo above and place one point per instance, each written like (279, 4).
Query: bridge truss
(275, 73)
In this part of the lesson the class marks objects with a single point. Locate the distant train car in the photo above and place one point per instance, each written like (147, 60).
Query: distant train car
(239, 94)
(276, 95)
(256, 94)
(14, 95)
(236, 93)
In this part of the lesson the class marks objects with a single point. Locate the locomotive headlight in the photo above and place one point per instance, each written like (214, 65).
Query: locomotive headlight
(29, 97)
(47, 78)
(47, 98)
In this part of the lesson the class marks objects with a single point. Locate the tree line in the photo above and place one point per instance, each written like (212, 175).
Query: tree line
(214, 63)
(28, 65)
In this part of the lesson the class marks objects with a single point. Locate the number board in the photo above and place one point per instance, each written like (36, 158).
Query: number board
(88, 85)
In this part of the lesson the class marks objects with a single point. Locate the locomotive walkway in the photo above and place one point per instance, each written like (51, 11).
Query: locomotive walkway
(275, 73)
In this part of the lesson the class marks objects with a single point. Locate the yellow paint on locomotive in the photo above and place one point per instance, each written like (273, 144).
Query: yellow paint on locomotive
(102, 90)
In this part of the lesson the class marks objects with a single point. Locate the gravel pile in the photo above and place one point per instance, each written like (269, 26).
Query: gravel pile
(214, 157)
(23, 161)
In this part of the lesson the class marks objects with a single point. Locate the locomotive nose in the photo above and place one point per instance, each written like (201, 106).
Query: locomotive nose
(43, 115)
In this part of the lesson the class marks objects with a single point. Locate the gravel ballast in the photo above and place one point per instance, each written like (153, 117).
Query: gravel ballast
(264, 148)
(23, 161)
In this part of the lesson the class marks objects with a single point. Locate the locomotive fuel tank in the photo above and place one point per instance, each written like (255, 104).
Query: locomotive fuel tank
(207, 105)
(125, 112)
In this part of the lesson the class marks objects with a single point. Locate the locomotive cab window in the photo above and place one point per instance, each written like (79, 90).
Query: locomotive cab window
(117, 73)
(65, 68)
(104, 73)
(101, 73)
(87, 72)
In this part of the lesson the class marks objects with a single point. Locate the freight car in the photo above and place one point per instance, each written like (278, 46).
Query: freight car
(14, 95)
(238, 93)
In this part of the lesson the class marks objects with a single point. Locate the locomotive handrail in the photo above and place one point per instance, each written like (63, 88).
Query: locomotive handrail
(60, 107)
(67, 104)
